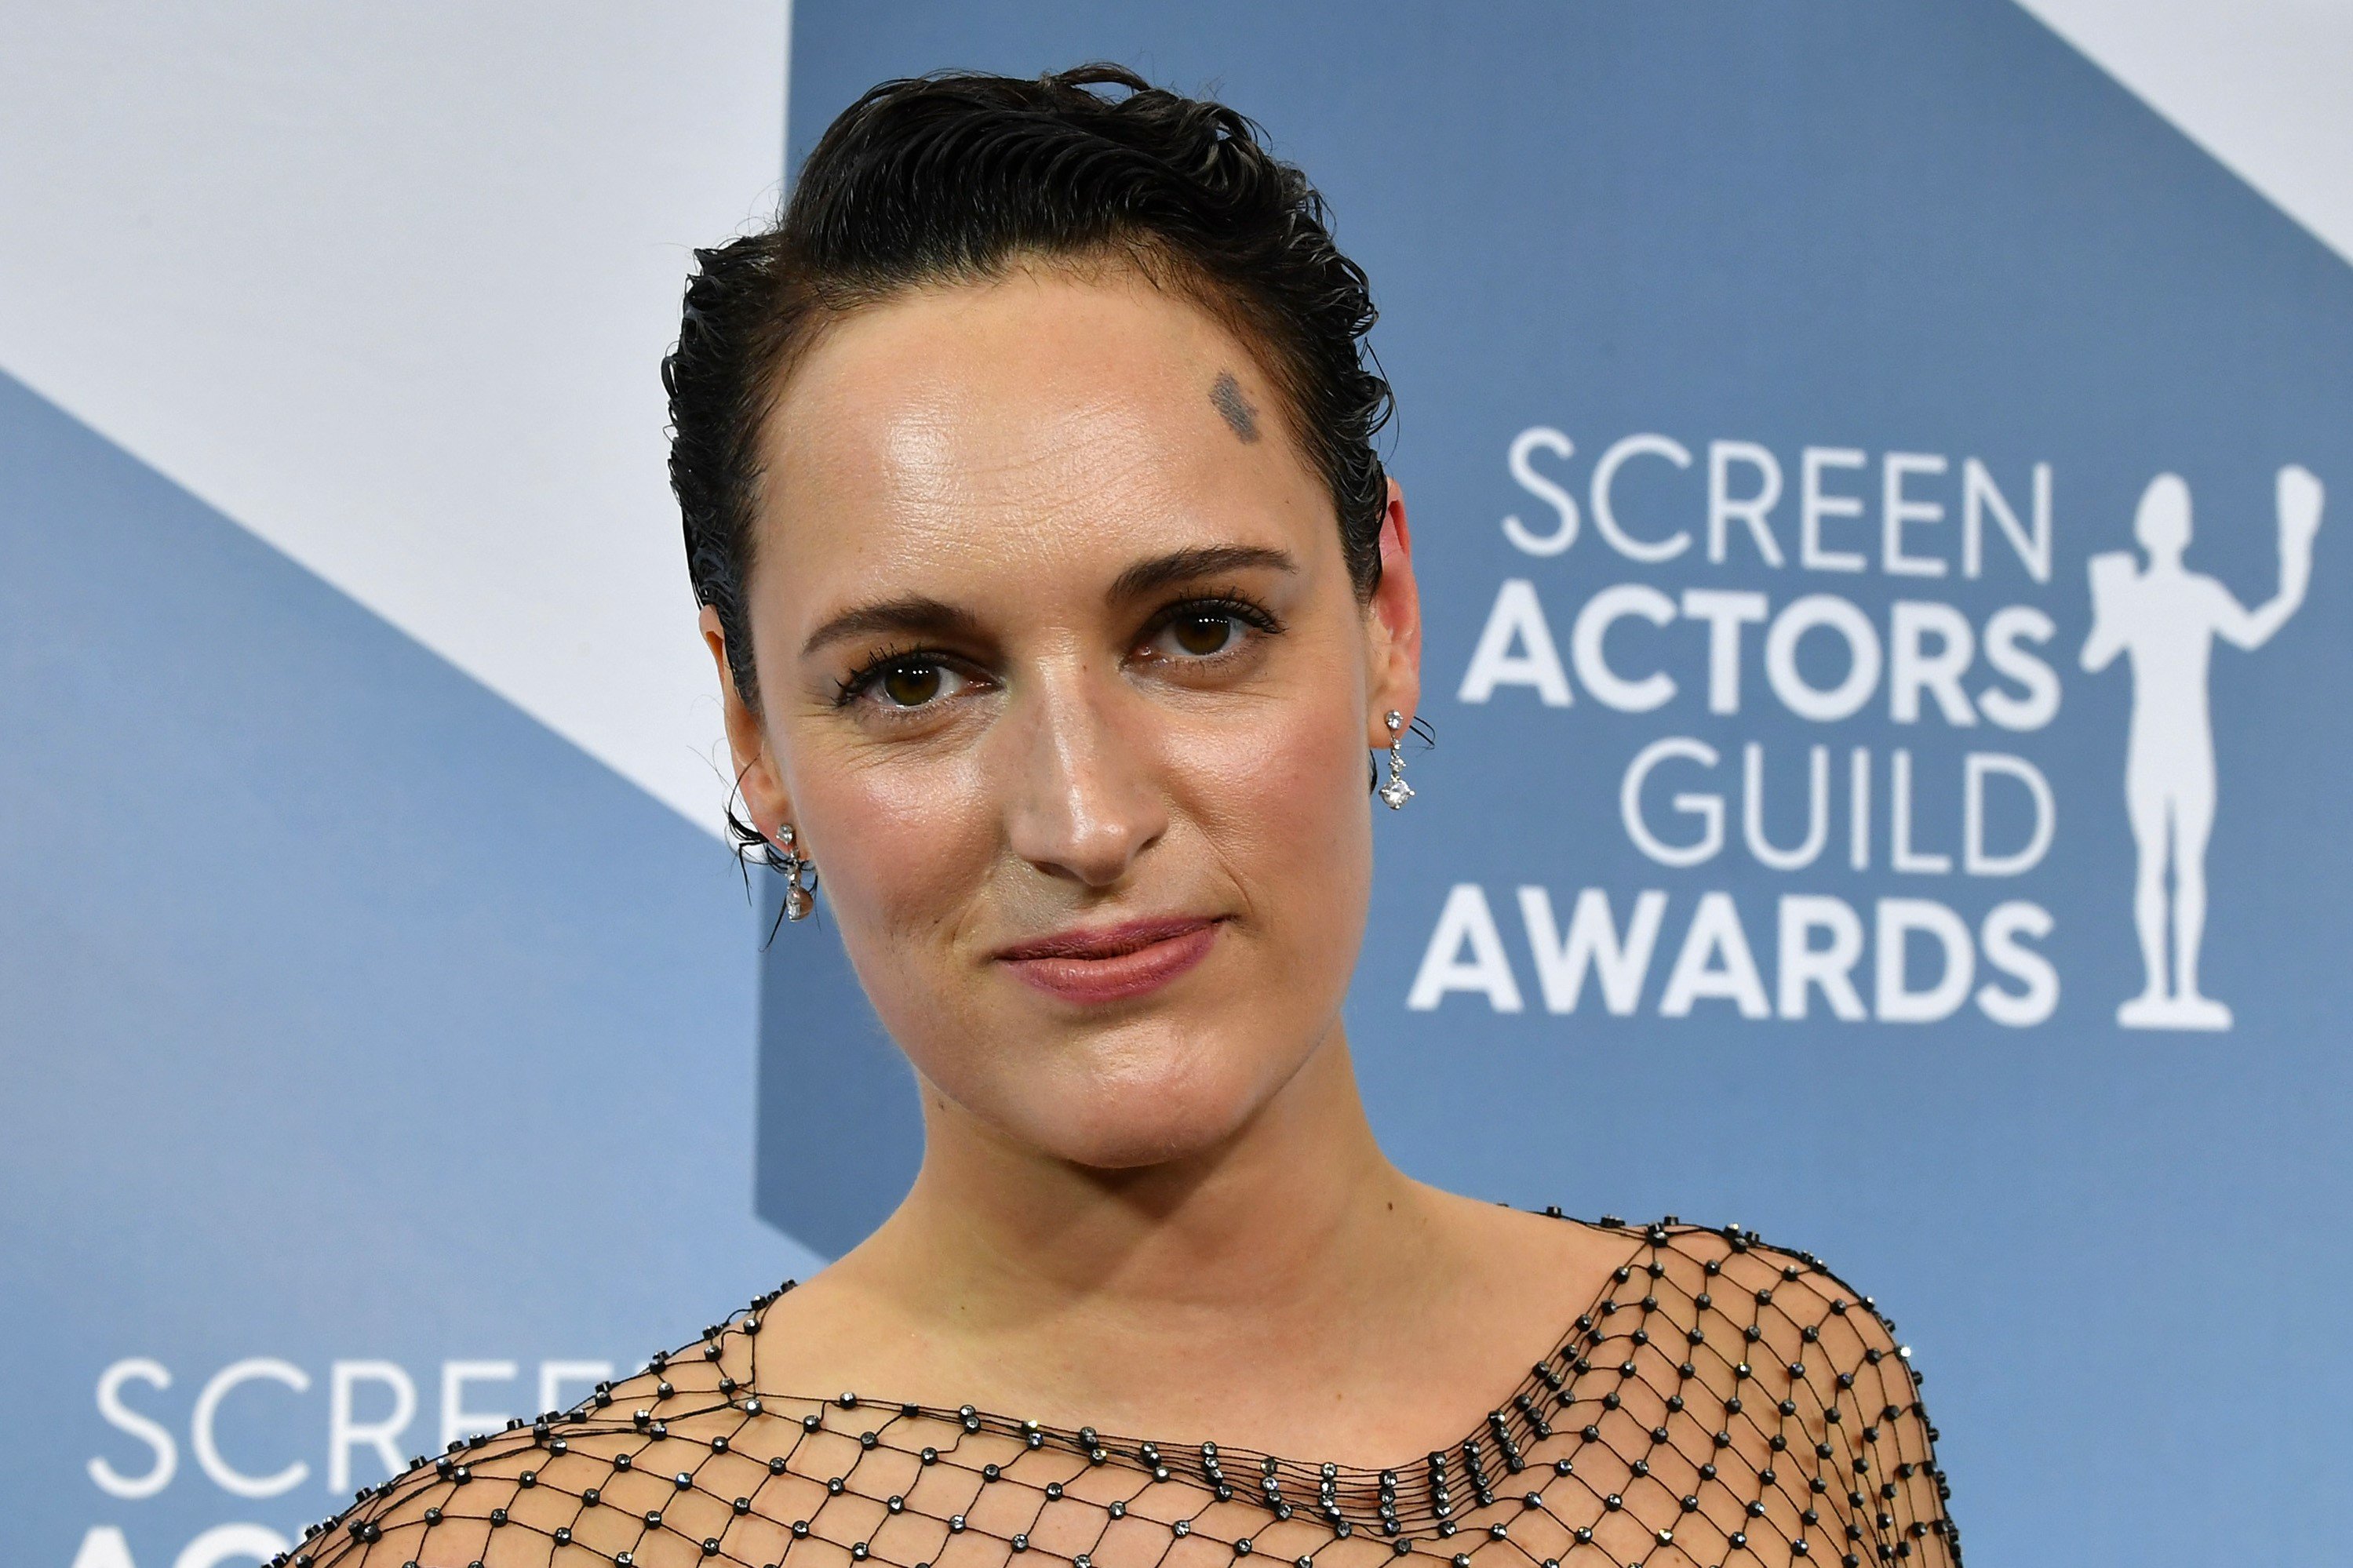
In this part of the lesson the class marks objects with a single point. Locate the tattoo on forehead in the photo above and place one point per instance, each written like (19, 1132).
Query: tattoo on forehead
(1237, 410)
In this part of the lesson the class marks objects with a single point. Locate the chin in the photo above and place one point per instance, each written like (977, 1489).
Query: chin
(1126, 1115)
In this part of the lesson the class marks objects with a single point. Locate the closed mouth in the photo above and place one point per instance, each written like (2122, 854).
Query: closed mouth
(1112, 963)
(1108, 941)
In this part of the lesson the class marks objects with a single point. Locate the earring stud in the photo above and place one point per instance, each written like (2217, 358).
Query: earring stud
(1397, 791)
(798, 871)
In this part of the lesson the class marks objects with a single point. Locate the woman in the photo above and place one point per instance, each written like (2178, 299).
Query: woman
(1058, 602)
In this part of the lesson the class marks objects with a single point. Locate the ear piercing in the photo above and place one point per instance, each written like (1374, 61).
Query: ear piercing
(1397, 791)
(798, 871)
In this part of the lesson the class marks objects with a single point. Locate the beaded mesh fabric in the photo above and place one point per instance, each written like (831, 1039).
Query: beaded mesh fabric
(1721, 1402)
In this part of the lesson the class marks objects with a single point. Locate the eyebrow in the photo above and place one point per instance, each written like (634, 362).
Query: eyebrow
(916, 614)
(1201, 560)
(919, 614)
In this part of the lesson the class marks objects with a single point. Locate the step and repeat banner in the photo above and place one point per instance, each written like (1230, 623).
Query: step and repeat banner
(1881, 495)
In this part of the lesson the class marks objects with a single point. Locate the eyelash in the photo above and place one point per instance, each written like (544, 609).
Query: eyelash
(1230, 603)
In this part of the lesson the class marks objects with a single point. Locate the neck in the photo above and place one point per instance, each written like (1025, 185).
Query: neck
(1288, 1291)
(1296, 1225)
(1277, 1204)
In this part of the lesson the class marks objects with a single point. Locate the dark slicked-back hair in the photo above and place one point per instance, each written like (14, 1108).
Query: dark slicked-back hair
(958, 177)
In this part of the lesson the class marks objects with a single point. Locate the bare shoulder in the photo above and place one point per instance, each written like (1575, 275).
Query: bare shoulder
(839, 1330)
(1570, 1260)
(1547, 1259)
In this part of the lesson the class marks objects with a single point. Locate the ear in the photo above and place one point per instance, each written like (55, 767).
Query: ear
(757, 778)
(1394, 620)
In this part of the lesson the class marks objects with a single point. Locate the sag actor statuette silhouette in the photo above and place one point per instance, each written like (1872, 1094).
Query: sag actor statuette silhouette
(2166, 618)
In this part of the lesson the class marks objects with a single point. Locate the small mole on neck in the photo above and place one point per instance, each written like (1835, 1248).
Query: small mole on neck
(1236, 410)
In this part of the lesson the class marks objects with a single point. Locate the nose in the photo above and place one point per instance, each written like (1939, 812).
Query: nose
(1081, 802)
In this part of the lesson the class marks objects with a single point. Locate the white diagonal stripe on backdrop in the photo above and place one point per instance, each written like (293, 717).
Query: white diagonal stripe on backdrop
(389, 285)
(2265, 86)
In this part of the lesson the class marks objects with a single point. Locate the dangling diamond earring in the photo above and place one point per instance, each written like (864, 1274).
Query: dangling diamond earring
(1397, 791)
(792, 865)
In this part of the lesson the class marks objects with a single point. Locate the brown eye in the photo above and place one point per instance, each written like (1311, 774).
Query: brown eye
(1203, 634)
(911, 685)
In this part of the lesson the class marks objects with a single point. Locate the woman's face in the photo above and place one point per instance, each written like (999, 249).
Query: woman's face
(1065, 690)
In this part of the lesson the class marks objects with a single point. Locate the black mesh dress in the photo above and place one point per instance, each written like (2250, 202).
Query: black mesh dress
(1720, 1403)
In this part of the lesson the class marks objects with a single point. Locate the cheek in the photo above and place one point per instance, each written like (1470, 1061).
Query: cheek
(1283, 806)
(900, 851)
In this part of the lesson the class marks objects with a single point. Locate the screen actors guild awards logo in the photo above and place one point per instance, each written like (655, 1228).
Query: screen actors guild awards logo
(2166, 618)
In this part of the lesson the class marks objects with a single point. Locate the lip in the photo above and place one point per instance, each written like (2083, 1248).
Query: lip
(1112, 964)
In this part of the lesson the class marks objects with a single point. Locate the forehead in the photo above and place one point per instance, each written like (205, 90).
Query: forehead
(1047, 422)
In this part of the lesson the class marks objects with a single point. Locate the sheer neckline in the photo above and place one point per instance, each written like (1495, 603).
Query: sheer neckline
(1495, 1437)
(1718, 1401)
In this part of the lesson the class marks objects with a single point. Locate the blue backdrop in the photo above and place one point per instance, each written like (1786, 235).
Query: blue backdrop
(1767, 382)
